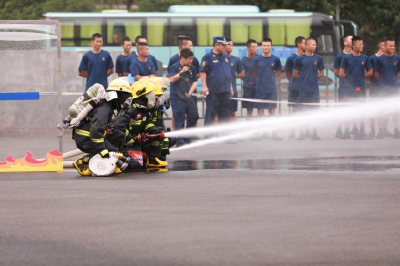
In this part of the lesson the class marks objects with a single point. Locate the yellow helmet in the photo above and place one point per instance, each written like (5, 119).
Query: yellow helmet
(139, 89)
(119, 84)
(161, 84)
(158, 84)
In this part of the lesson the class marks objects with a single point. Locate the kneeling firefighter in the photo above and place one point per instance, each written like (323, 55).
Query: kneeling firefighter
(142, 138)
(91, 125)
(157, 113)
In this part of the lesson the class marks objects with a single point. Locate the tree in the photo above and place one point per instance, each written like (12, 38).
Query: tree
(34, 9)
(22, 9)
(69, 6)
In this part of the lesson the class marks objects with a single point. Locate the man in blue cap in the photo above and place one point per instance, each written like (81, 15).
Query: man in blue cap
(215, 73)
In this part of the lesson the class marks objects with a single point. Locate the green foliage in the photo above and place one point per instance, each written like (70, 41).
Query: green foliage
(376, 18)
(69, 6)
(34, 9)
(21, 9)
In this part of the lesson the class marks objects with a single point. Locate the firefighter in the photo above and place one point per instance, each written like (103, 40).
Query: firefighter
(90, 134)
(157, 113)
(140, 130)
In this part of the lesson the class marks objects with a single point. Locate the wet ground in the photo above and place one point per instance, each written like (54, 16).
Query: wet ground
(331, 202)
(345, 163)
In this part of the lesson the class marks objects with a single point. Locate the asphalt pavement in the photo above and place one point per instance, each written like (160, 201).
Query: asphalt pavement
(328, 202)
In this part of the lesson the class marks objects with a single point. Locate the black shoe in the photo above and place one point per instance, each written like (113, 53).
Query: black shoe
(396, 133)
(308, 134)
(346, 134)
(339, 133)
(387, 133)
(372, 133)
(381, 134)
(301, 136)
(292, 134)
(275, 136)
(355, 131)
(315, 136)
(266, 135)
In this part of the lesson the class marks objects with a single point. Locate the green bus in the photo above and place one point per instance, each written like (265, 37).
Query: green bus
(201, 24)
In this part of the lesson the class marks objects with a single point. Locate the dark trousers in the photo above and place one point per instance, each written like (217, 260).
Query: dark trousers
(85, 144)
(217, 104)
(184, 109)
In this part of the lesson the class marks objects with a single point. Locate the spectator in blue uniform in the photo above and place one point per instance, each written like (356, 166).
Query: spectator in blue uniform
(184, 43)
(215, 72)
(237, 73)
(347, 48)
(308, 68)
(97, 64)
(128, 60)
(183, 76)
(172, 61)
(354, 68)
(265, 68)
(249, 82)
(374, 86)
(141, 66)
(386, 72)
(119, 63)
(293, 89)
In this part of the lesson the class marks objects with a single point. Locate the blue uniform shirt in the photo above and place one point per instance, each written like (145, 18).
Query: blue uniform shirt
(249, 82)
(236, 67)
(177, 58)
(336, 64)
(96, 66)
(266, 67)
(293, 83)
(355, 67)
(140, 68)
(374, 83)
(130, 58)
(388, 66)
(218, 71)
(179, 88)
(119, 64)
(308, 67)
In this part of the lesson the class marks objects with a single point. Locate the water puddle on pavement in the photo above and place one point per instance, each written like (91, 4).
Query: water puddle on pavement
(345, 163)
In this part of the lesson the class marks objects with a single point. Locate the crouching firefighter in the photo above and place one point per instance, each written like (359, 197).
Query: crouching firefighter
(156, 114)
(142, 135)
(90, 130)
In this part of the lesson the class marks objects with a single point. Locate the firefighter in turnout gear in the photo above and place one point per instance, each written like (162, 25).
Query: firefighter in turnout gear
(141, 133)
(157, 113)
(90, 134)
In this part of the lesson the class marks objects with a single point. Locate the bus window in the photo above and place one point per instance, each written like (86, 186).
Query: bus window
(181, 26)
(297, 27)
(67, 34)
(244, 29)
(87, 29)
(118, 29)
(276, 31)
(324, 44)
(156, 31)
(207, 29)
(283, 31)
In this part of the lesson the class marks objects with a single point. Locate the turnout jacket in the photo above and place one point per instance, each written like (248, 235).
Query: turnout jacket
(95, 124)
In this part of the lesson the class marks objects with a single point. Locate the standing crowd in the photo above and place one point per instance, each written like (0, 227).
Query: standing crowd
(218, 71)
